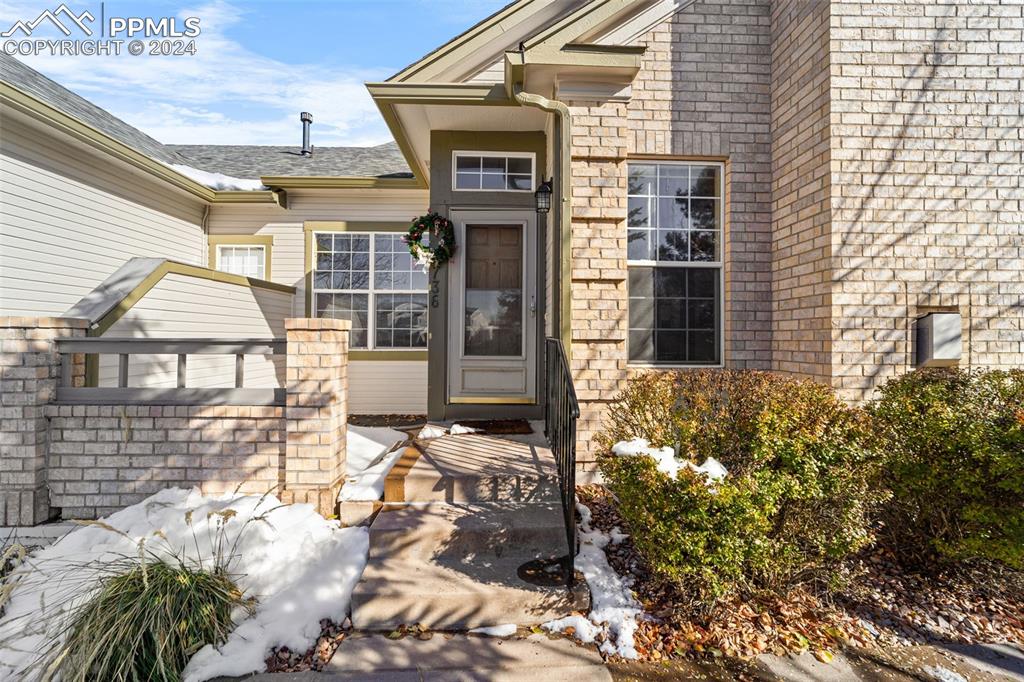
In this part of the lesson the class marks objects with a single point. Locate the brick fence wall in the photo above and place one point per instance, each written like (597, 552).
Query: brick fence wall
(84, 461)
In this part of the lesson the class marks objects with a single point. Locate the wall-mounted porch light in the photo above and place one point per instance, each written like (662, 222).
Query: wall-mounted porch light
(543, 196)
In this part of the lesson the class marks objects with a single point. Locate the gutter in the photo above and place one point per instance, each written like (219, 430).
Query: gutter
(553, 106)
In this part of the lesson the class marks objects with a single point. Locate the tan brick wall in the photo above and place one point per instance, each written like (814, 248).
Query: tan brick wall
(104, 458)
(29, 372)
(801, 190)
(927, 181)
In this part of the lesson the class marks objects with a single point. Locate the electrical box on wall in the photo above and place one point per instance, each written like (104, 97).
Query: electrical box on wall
(938, 340)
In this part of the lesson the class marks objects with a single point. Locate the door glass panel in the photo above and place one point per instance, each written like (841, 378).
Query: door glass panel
(494, 290)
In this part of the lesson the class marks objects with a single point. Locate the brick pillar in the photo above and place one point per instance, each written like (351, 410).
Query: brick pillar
(316, 411)
(29, 373)
(599, 292)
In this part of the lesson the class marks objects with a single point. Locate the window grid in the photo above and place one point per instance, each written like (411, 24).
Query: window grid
(362, 279)
(672, 327)
(493, 171)
(245, 260)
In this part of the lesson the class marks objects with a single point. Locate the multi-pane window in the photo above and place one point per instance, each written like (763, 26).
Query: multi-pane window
(371, 280)
(505, 172)
(674, 242)
(249, 261)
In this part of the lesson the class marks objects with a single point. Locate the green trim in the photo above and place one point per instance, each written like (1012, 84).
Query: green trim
(172, 268)
(584, 21)
(266, 241)
(39, 111)
(395, 355)
(338, 182)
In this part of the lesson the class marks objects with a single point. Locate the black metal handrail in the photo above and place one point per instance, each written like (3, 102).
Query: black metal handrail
(560, 414)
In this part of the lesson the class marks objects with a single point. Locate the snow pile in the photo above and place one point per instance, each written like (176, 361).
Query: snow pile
(506, 630)
(665, 459)
(944, 674)
(217, 181)
(458, 429)
(613, 609)
(431, 431)
(370, 454)
(301, 568)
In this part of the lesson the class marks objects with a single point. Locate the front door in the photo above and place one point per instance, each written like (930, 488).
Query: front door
(493, 321)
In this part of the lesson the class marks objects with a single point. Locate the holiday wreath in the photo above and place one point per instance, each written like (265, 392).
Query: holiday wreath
(441, 244)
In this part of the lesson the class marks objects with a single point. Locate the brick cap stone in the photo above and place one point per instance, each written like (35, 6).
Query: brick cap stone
(47, 322)
(316, 324)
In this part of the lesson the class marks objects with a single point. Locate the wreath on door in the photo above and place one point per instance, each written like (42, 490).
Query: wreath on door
(441, 244)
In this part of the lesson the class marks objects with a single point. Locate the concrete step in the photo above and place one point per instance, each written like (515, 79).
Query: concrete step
(464, 658)
(485, 530)
(454, 594)
(432, 486)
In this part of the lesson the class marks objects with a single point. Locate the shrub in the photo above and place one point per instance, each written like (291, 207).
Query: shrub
(798, 497)
(954, 446)
(145, 623)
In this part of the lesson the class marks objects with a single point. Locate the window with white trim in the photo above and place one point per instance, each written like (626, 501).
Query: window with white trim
(245, 260)
(674, 245)
(493, 171)
(370, 279)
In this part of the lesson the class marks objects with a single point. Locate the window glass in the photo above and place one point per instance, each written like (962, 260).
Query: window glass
(494, 172)
(673, 249)
(371, 280)
(248, 261)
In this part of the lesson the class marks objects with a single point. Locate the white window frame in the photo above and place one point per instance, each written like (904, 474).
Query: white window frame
(719, 264)
(370, 293)
(261, 247)
(456, 155)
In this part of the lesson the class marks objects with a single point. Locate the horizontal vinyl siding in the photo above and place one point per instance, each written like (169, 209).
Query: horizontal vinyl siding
(286, 225)
(182, 306)
(387, 387)
(69, 218)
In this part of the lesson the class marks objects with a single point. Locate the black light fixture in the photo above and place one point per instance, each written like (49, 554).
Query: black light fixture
(543, 196)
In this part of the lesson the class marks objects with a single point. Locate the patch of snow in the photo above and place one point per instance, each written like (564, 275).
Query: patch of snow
(666, 461)
(300, 567)
(613, 609)
(457, 429)
(506, 630)
(431, 431)
(217, 180)
(944, 674)
(617, 535)
(365, 465)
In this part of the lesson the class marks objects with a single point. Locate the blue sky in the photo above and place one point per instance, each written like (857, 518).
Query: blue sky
(257, 65)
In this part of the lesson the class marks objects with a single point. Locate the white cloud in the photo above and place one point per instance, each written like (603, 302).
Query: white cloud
(224, 94)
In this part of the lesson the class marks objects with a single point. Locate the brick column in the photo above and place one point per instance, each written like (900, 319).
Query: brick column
(29, 373)
(316, 411)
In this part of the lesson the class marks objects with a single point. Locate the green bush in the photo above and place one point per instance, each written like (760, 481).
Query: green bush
(146, 622)
(798, 498)
(954, 460)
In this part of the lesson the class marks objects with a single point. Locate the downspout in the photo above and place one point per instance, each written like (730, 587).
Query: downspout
(553, 106)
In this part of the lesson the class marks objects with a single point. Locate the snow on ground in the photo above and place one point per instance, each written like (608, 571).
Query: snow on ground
(666, 460)
(506, 630)
(365, 473)
(613, 609)
(944, 674)
(301, 568)
(458, 429)
(217, 180)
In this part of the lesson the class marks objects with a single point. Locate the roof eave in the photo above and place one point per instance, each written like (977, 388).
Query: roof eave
(286, 182)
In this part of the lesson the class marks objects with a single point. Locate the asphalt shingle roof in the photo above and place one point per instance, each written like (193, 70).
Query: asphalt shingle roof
(251, 161)
(240, 161)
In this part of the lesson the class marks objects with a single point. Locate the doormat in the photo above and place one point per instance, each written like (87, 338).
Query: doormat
(499, 427)
(395, 421)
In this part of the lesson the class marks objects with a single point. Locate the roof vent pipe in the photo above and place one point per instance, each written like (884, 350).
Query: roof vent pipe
(307, 121)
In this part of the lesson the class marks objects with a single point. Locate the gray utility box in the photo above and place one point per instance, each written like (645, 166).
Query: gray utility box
(938, 340)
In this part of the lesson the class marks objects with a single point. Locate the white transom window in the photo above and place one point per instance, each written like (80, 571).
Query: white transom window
(245, 260)
(370, 279)
(674, 252)
(493, 171)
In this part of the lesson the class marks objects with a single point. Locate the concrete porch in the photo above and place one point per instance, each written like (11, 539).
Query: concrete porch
(462, 515)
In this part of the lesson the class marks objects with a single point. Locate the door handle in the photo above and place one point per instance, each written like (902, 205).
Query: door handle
(533, 305)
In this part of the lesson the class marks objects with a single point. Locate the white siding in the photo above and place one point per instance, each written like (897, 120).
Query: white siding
(387, 387)
(183, 306)
(69, 218)
(372, 384)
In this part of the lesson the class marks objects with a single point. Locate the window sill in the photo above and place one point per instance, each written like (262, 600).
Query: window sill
(660, 365)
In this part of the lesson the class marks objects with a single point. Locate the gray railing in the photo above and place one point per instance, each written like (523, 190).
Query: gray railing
(182, 394)
(561, 411)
